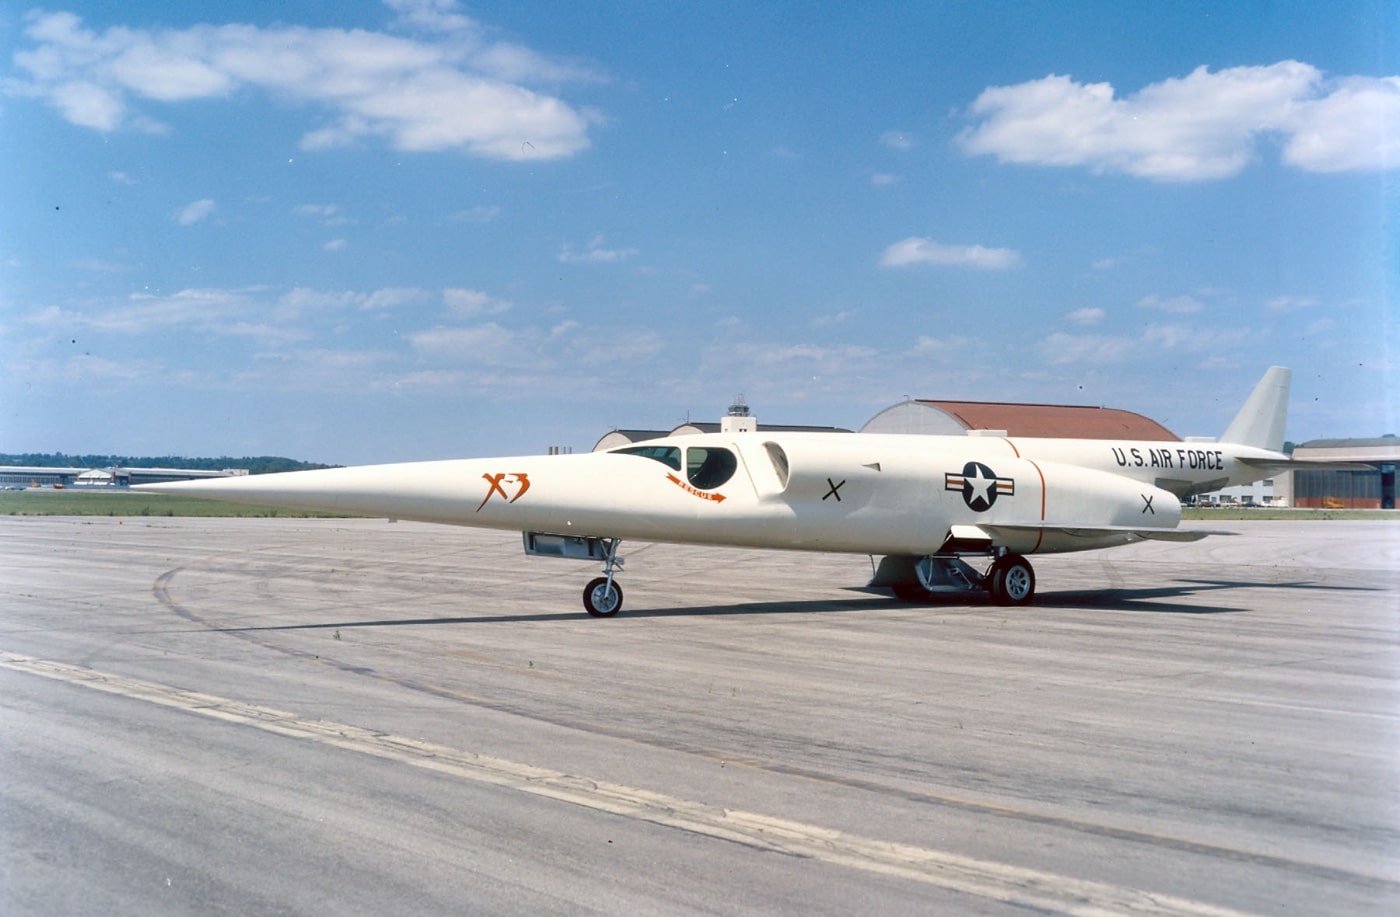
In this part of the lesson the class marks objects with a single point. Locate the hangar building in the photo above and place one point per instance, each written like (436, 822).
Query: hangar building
(1344, 488)
(738, 420)
(1054, 420)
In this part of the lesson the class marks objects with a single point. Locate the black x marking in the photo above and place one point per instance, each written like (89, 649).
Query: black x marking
(1147, 503)
(835, 490)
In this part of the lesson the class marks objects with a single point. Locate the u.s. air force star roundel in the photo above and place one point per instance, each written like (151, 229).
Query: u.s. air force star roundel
(980, 486)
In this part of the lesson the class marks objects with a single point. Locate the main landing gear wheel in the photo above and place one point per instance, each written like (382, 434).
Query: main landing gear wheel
(601, 598)
(1011, 581)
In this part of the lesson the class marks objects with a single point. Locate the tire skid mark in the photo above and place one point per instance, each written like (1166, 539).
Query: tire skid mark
(161, 589)
(982, 878)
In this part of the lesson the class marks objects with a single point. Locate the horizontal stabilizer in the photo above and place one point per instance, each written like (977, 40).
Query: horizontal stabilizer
(1269, 467)
(1099, 531)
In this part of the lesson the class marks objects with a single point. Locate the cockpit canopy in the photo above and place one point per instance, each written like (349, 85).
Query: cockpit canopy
(706, 467)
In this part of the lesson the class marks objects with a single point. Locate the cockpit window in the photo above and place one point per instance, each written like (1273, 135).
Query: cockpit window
(780, 462)
(708, 467)
(669, 456)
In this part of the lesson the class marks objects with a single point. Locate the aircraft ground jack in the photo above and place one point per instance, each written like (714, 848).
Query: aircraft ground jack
(602, 597)
(1010, 580)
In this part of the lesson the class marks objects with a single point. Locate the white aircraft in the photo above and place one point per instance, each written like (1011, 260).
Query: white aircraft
(923, 502)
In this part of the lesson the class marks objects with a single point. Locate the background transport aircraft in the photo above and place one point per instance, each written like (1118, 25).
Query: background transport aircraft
(927, 504)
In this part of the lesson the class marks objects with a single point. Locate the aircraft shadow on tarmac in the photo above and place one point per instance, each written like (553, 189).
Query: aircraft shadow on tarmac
(1154, 600)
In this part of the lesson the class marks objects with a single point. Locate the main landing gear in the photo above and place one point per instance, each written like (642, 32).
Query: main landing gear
(602, 597)
(1010, 580)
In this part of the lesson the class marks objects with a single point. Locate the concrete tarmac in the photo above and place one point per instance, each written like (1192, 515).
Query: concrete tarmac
(352, 716)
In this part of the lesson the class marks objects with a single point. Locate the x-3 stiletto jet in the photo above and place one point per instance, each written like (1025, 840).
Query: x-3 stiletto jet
(929, 505)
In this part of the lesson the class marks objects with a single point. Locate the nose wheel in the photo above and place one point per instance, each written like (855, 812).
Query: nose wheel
(602, 597)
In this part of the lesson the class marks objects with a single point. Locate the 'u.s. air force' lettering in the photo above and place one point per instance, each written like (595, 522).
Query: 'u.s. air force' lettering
(1168, 457)
(980, 486)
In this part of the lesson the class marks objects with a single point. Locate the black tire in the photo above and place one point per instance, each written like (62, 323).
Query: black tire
(601, 602)
(1011, 581)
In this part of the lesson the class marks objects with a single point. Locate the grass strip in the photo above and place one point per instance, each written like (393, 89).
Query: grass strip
(70, 502)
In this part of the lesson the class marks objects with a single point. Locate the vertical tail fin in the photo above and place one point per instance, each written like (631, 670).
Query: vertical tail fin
(1260, 422)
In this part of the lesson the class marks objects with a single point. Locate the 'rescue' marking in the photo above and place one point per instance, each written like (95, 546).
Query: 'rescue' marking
(1030, 888)
(694, 491)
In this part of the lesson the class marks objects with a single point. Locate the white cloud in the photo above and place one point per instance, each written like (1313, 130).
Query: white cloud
(195, 212)
(324, 211)
(915, 250)
(469, 303)
(445, 379)
(389, 298)
(482, 214)
(433, 15)
(1178, 305)
(1154, 340)
(1357, 127)
(1290, 303)
(329, 214)
(451, 90)
(885, 179)
(836, 318)
(897, 140)
(614, 347)
(1199, 127)
(1061, 348)
(1170, 337)
(595, 253)
(488, 343)
(335, 245)
(224, 313)
(301, 301)
(1086, 316)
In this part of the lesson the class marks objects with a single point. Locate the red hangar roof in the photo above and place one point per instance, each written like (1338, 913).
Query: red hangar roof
(1034, 420)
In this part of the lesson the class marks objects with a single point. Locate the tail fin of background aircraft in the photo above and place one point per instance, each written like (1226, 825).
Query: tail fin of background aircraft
(1260, 422)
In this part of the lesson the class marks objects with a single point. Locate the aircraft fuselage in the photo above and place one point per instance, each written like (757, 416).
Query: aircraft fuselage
(865, 493)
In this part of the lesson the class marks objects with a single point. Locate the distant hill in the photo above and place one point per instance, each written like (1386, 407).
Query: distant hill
(261, 464)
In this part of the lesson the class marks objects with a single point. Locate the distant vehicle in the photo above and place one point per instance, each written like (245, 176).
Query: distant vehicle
(923, 502)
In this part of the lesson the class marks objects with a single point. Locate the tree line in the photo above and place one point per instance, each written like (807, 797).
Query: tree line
(260, 464)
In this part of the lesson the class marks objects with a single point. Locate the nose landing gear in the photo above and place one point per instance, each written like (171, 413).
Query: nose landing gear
(602, 597)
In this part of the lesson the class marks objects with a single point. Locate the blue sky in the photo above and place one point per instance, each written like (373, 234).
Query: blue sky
(364, 231)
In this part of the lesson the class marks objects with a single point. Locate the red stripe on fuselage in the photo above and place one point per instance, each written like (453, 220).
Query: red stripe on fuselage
(1040, 536)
